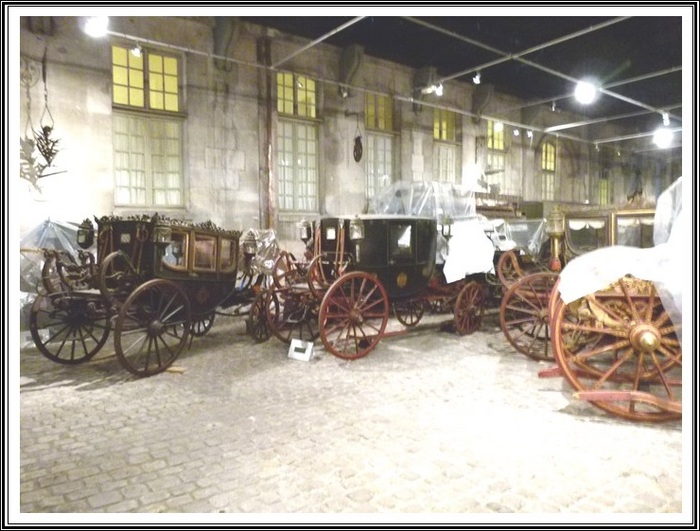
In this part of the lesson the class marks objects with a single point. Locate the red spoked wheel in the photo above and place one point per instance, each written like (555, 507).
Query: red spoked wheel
(353, 316)
(409, 312)
(323, 271)
(525, 315)
(620, 350)
(469, 308)
(287, 271)
(508, 269)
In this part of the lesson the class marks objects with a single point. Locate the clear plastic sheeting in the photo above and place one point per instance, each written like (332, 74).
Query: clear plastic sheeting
(662, 264)
(470, 251)
(58, 235)
(668, 208)
(266, 249)
(425, 198)
(526, 235)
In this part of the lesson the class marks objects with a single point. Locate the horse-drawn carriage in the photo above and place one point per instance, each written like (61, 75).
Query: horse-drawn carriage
(422, 249)
(154, 283)
(609, 320)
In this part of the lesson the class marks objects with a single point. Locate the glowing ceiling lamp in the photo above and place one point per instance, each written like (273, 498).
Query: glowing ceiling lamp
(663, 137)
(585, 92)
(96, 26)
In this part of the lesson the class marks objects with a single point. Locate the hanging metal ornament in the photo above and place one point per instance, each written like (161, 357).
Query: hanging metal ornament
(357, 148)
(46, 145)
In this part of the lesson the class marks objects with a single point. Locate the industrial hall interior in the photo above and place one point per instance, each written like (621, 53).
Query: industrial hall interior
(291, 267)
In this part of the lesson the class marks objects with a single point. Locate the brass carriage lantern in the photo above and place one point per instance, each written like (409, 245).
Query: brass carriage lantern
(446, 229)
(162, 234)
(86, 234)
(555, 230)
(357, 229)
(249, 244)
(304, 228)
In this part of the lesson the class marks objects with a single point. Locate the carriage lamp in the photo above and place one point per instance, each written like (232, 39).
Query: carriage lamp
(249, 244)
(86, 234)
(555, 230)
(304, 228)
(162, 234)
(446, 227)
(357, 229)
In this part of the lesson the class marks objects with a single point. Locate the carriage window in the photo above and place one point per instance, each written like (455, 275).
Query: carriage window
(635, 232)
(176, 252)
(587, 234)
(401, 241)
(330, 233)
(204, 252)
(229, 250)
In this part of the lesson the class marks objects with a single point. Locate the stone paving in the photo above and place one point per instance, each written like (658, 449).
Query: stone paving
(429, 425)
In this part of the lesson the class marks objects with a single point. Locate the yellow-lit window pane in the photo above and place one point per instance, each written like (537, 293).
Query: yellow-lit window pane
(120, 75)
(156, 101)
(136, 78)
(171, 102)
(170, 66)
(171, 84)
(136, 97)
(120, 95)
(119, 56)
(155, 63)
(156, 82)
(135, 62)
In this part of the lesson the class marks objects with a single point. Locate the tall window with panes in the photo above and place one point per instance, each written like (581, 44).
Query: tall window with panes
(549, 164)
(496, 156)
(603, 191)
(297, 143)
(445, 137)
(379, 124)
(147, 128)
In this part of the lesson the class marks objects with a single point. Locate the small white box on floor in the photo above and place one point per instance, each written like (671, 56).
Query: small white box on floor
(301, 350)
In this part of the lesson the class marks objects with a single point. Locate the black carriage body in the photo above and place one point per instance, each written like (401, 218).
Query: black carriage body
(399, 250)
(201, 258)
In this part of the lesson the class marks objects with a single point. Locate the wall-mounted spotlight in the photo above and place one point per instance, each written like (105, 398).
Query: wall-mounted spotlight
(477, 78)
(137, 51)
(96, 26)
(529, 134)
(432, 89)
(663, 137)
(516, 132)
(498, 127)
(554, 106)
(665, 120)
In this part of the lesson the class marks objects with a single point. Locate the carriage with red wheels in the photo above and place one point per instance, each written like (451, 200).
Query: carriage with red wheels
(423, 249)
(154, 284)
(364, 269)
(611, 319)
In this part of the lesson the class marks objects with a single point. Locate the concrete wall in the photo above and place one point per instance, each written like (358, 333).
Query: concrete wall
(225, 142)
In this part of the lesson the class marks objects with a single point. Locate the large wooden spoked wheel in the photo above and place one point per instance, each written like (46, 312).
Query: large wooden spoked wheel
(67, 329)
(508, 269)
(323, 272)
(353, 316)
(117, 277)
(469, 308)
(620, 350)
(287, 271)
(257, 318)
(152, 327)
(409, 312)
(292, 314)
(525, 315)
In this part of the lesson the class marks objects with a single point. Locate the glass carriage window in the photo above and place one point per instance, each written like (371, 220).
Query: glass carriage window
(634, 231)
(229, 252)
(400, 240)
(147, 161)
(175, 255)
(204, 252)
(586, 234)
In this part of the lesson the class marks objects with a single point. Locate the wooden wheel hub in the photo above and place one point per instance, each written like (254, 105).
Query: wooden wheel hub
(645, 337)
(355, 317)
(155, 327)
